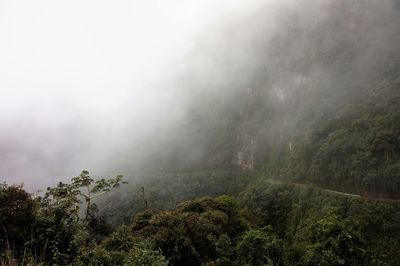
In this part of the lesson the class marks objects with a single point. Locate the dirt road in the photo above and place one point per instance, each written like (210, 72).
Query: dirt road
(334, 191)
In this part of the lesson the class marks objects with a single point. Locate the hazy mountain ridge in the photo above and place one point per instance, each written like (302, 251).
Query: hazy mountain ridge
(282, 86)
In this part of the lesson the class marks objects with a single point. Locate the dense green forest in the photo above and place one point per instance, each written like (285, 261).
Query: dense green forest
(261, 222)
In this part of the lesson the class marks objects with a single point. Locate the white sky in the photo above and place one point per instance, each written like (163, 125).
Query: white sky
(82, 62)
(89, 53)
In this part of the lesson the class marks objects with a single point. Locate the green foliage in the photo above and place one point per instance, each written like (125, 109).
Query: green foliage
(191, 235)
(259, 247)
(17, 212)
(122, 248)
(327, 241)
(121, 239)
(291, 210)
(274, 224)
(144, 254)
(95, 256)
(83, 186)
(141, 219)
(34, 229)
(356, 149)
(48, 229)
(225, 251)
(267, 203)
(322, 227)
(164, 191)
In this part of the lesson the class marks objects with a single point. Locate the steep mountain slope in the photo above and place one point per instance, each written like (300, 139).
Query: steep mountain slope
(305, 91)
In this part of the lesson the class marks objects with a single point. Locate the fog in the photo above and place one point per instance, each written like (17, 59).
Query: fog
(112, 87)
(82, 81)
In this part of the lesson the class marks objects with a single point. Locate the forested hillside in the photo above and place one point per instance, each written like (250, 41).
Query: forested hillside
(308, 93)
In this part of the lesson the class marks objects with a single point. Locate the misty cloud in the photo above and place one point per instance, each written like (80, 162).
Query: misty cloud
(85, 83)
(116, 87)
